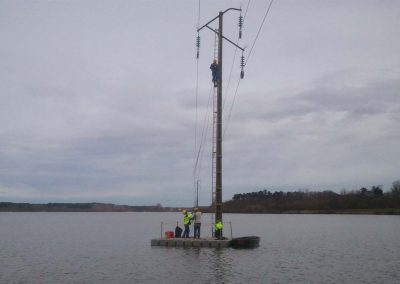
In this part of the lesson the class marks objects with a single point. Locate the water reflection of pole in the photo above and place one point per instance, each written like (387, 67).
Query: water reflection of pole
(221, 266)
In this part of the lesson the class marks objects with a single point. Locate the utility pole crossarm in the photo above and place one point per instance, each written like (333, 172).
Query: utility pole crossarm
(217, 18)
(227, 39)
(236, 9)
(206, 25)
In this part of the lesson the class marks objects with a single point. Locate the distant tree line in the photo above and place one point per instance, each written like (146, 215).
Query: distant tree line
(265, 201)
(79, 207)
(373, 200)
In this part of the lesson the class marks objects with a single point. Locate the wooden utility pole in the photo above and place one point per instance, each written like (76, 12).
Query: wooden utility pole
(218, 168)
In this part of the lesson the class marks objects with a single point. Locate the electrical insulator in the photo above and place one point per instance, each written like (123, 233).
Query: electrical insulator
(242, 67)
(240, 25)
(240, 21)
(198, 45)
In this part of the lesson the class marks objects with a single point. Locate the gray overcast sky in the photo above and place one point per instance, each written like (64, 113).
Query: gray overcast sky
(97, 99)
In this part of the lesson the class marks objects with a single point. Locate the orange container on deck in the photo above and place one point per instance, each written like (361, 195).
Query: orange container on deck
(169, 234)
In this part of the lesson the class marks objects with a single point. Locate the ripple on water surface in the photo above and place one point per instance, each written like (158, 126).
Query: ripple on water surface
(115, 248)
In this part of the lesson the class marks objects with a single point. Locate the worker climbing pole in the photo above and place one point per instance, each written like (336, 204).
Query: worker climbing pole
(215, 72)
(214, 65)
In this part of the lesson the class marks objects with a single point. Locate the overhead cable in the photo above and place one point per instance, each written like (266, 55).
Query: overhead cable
(259, 30)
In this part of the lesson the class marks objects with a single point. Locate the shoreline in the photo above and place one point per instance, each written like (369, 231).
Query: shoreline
(107, 207)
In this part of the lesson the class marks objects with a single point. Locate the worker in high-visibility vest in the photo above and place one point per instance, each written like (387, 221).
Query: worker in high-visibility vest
(218, 230)
(187, 217)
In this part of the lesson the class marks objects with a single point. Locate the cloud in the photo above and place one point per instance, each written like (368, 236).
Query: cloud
(331, 135)
(95, 105)
(97, 140)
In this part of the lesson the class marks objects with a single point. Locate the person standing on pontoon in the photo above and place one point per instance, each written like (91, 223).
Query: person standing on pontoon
(187, 217)
(197, 223)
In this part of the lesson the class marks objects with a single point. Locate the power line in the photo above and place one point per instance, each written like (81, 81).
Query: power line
(196, 98)
(234, 58)
(247, 8)
(251, 49)
(230, 110)
(200, 151)
(198, 18)
(259, 30)
(230, 75)
(237, 86)
(197, 91)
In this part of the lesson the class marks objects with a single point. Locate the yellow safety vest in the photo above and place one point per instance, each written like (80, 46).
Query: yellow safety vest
(187, 218)
(218, 226)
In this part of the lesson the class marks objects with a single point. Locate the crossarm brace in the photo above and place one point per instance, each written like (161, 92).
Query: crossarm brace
(215, 31)
(217, 18)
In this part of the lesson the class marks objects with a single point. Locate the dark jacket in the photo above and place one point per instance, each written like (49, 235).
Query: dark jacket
(214, 68)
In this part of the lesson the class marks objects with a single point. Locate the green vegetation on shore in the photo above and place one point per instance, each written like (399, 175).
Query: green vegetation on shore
(79, 207)
(363, 201)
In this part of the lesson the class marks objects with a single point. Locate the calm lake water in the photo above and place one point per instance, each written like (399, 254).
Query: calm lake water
(115, 248)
